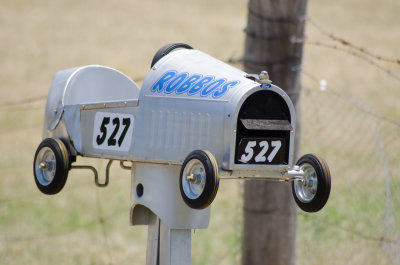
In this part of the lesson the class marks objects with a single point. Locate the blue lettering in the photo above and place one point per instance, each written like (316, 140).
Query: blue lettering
(179, 83)
(187, 84)
(199, 85)
(225, 89)
(211, 87)
(175, 83)
(159, 85)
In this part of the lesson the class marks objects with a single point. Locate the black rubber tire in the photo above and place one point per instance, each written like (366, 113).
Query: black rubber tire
(323, 187)
(212, 179)
(167, 49)
(62, 159)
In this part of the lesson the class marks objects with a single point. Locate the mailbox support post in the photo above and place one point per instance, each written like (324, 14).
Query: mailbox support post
(167, 246)
(157, 203)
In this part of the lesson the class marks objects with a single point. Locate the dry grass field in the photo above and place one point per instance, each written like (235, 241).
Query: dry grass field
(87, 225)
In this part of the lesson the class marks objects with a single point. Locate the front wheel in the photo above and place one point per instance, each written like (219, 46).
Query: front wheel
(51, 165)
(199, 181)
(312, 192)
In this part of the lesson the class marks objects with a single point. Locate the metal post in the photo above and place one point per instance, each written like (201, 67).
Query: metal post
(167, 246)
(156, 202)
(175, 246)
(153, 241)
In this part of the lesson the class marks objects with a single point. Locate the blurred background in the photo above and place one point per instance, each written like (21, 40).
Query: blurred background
(350, 114)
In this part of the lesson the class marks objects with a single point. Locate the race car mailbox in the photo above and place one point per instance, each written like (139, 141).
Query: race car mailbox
(195, 117)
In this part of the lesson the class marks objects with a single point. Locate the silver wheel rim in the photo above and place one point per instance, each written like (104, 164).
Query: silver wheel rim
(193, 179)
(45, 166)
(306, 189)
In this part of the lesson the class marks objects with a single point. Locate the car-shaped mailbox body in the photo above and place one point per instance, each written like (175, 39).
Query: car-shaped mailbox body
(192, 110)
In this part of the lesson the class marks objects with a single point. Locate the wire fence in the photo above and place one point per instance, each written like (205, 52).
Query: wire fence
(361, 222)
(359, 225)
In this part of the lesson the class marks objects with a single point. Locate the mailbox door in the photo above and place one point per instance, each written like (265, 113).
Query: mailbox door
(263, 131)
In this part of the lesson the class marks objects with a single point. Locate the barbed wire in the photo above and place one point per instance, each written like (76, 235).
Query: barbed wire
(16, 105)
(355, 102)
(361, 107)
(355, 54)
(350, 44)
(353, 49)
(263, 17)
(301, 19)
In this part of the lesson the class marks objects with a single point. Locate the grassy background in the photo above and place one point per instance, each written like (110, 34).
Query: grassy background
(87, 225)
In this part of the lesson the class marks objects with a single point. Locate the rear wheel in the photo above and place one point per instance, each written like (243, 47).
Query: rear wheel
(312, 192)
(167, 49)
(51, 165)
(199, 179)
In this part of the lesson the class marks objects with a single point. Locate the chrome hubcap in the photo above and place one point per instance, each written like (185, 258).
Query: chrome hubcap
(306, 188)
(45, 166)
(194, 179)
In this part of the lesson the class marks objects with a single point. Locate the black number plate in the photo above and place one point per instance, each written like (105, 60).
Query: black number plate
(261, 151)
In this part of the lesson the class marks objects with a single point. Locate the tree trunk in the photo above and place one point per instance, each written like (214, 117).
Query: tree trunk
(274, 42)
